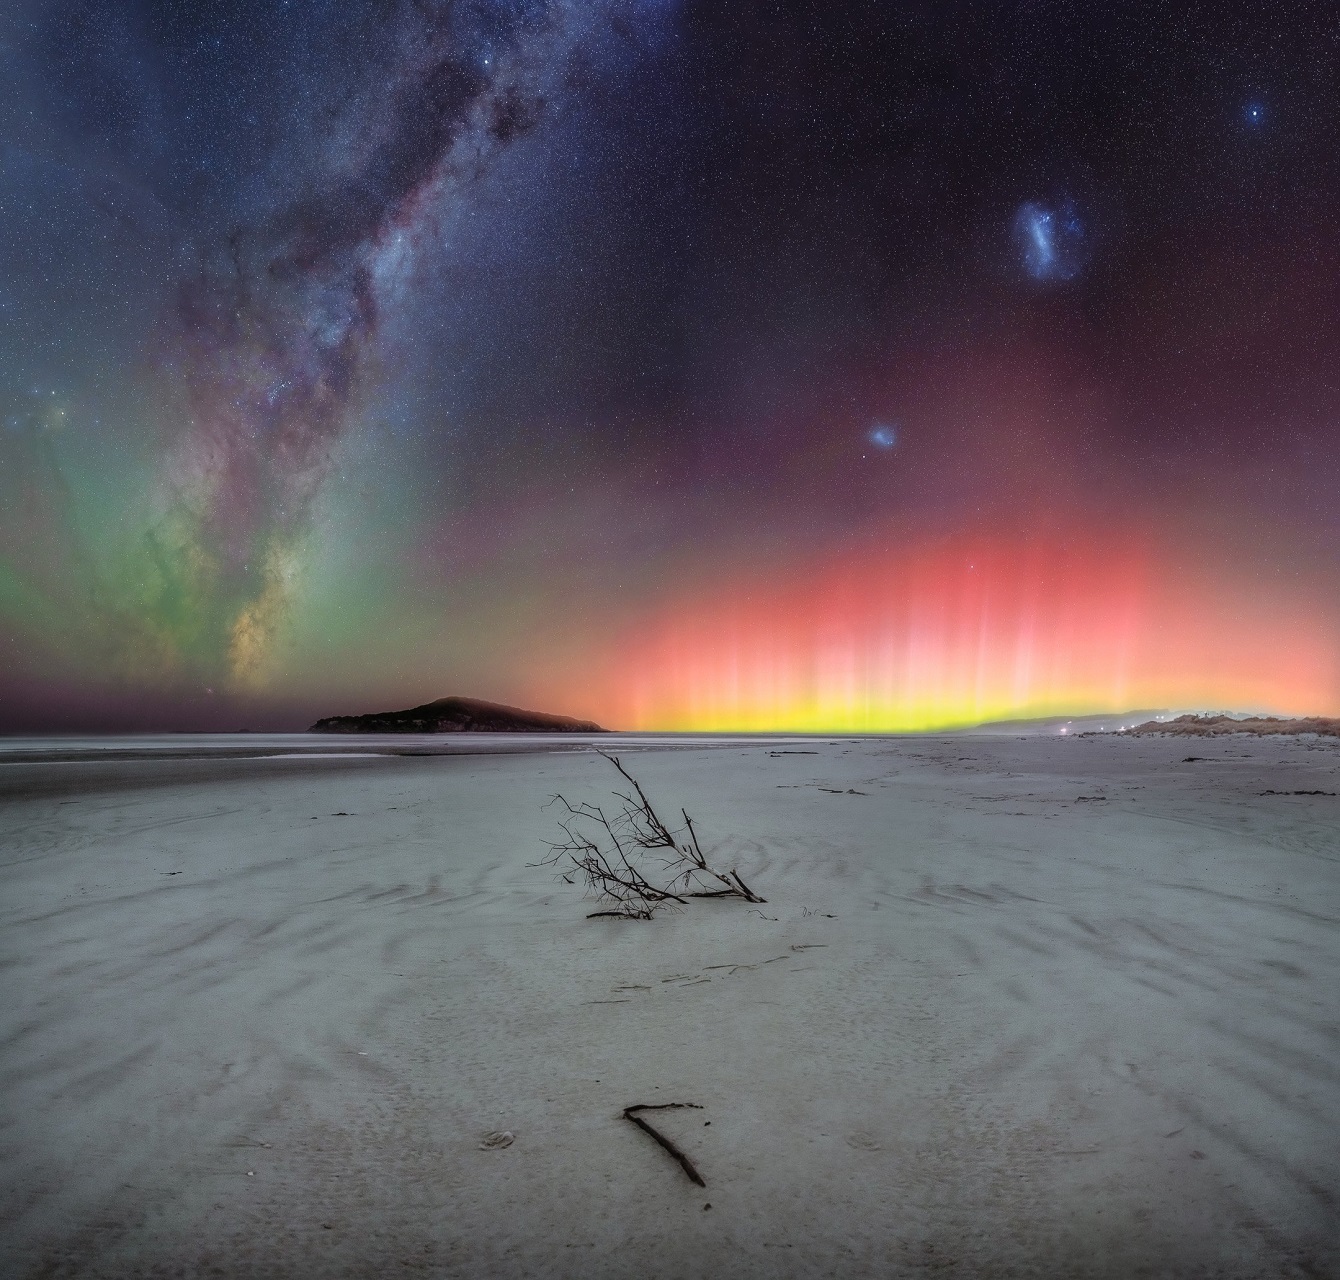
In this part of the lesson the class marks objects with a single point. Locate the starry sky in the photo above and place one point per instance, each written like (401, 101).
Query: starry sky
(681, 365)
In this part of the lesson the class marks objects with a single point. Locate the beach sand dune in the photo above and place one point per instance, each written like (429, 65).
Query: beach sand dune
(1013, 1008)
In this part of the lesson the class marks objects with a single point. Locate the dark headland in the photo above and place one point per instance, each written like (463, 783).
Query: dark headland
(456, 715)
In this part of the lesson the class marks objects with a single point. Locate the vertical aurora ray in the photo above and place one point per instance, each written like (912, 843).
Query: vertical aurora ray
(963, 631)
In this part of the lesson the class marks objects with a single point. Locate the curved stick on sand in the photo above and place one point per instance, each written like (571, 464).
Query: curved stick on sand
(629, 1113)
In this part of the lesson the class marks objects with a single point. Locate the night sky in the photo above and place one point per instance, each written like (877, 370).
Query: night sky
(678, 365)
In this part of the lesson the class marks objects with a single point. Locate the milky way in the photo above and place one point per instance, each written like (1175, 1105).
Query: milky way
(272, 339)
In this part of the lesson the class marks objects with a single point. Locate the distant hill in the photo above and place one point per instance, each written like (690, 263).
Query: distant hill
(1214, 726)
(1079, 724)
(456, 715)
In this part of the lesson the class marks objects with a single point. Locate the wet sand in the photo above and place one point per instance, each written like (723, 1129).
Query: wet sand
(1013, 1007)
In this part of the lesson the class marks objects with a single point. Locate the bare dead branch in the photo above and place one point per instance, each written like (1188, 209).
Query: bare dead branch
(749, 894)
(609, 850)
(630, 1113)
(692, 848)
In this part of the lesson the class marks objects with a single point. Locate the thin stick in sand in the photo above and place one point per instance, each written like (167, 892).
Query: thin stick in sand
(630, 1113)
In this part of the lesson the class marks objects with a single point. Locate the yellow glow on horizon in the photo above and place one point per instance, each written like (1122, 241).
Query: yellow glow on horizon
(961, 632)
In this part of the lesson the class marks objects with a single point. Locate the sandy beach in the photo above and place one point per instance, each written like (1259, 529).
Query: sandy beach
(1014, 1007)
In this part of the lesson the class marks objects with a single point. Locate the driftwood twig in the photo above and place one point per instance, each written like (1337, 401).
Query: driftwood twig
(614, 851)
(630, 1113)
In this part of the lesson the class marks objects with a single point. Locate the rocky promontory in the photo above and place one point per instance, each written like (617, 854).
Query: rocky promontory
(456, 715)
